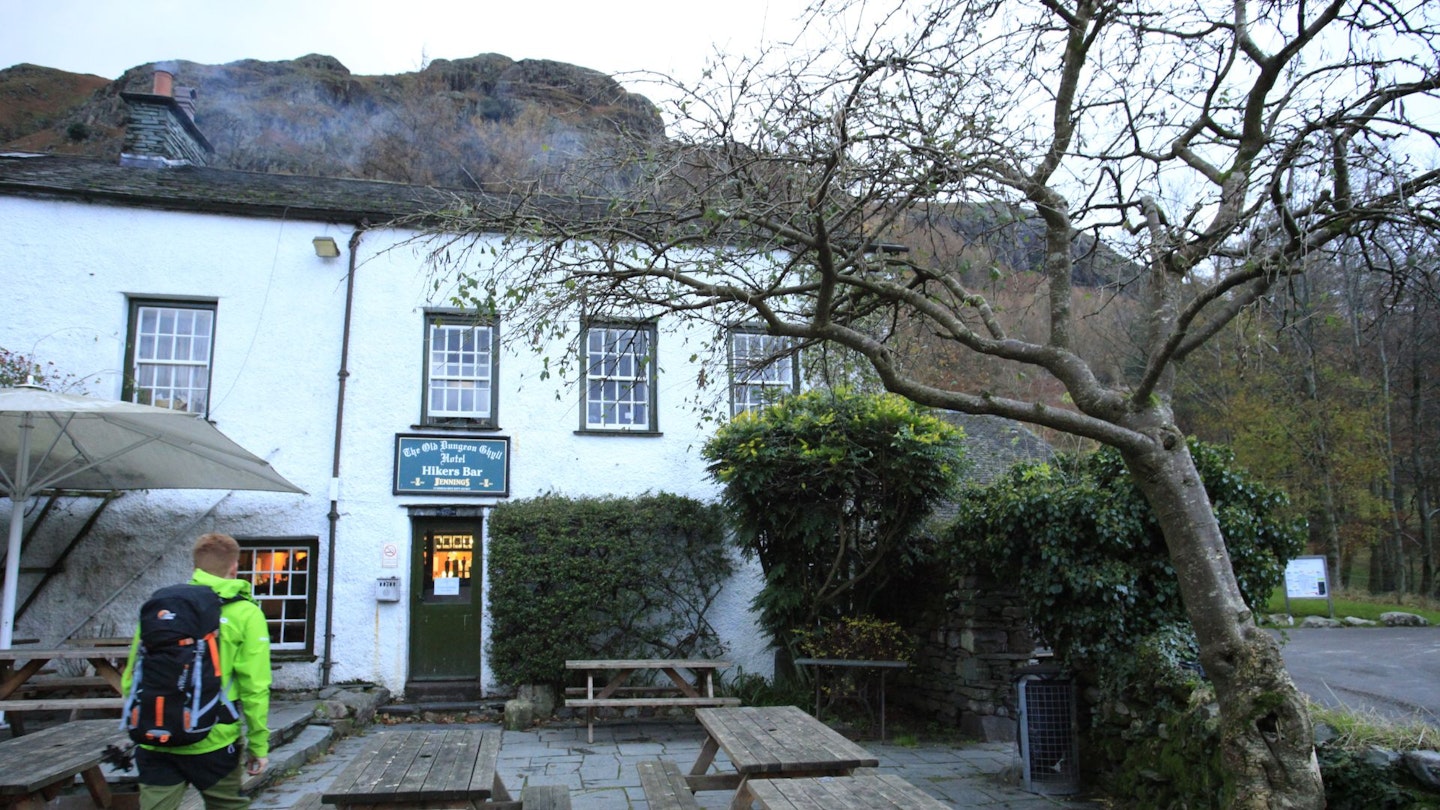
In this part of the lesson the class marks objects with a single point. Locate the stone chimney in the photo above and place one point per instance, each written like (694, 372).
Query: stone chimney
(160, 130)
(185, 97)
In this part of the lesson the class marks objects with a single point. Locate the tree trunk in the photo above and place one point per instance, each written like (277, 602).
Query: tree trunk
(1304, 340)
(1418, 463)
(1268, 743)
(1377, 567)
(1392, 484)
(1325, 521)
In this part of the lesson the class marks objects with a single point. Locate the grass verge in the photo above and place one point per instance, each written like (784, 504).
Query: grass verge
(1359, 605)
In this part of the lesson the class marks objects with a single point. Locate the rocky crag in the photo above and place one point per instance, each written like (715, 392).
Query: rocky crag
(458, 123)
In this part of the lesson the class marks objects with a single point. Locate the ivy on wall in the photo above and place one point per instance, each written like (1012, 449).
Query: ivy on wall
(1083, 547)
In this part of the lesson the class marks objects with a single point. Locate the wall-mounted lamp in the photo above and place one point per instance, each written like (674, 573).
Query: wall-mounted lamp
(325, 247)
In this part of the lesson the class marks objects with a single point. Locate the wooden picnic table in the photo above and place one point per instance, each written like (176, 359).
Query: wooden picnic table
(868, 792)
(851, 663)
(445, 768)
(36, 767)
(19, 665)
(768, 742)
(693, 690)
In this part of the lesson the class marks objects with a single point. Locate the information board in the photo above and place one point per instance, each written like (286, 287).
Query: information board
(1305, 578)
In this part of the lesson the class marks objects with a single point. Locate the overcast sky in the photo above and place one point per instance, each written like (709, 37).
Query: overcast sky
(106, 38)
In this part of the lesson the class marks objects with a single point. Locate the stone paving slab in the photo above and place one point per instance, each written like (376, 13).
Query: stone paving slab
(602, 775)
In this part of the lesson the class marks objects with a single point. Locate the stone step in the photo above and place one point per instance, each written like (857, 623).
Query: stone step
(287, 719)
(418, 708)
(311, 743)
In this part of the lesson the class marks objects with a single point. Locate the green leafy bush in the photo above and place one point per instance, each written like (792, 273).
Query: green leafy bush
(757, 690)
(602, 578)
(858, 639)
(827, 489)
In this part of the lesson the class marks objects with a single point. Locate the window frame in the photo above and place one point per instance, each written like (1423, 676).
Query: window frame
(790, 353)
(131, 389)
(311, 546)
(648, 364)
(449, 319)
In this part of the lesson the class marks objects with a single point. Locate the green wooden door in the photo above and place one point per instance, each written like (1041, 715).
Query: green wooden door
(445, 600)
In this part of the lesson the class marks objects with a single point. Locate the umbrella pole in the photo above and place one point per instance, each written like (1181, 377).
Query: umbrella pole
(12, 578)
(19, 494)
(12, 572)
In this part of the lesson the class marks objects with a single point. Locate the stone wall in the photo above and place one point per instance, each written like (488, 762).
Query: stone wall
(964, 671)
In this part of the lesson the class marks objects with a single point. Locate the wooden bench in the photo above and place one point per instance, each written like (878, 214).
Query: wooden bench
(770, 742)
(871, 792)
(694, 692)
(622, 702)
(665, 786)
(545, 797)
(36, 767)
(657, 690)
(64, 704)
(59, 683)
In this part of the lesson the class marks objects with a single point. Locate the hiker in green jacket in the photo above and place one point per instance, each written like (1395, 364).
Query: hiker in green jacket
(214, 765)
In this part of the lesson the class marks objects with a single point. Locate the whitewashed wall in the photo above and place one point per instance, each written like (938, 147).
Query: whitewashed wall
(67, 269)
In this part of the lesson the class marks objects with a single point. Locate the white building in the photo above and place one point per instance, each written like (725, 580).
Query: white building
(158, 280)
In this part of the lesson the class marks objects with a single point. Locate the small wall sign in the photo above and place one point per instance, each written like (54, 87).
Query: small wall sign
(451, 465)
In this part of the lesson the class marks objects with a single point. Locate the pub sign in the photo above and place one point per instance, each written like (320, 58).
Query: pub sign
(451, 465)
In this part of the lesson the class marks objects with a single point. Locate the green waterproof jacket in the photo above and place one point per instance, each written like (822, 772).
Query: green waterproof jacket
(244, 660)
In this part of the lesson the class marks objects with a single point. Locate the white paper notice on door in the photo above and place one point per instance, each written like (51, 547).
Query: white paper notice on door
(447, 586)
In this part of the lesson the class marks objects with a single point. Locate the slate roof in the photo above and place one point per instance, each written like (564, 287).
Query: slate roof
(993, 444)
(220, 191)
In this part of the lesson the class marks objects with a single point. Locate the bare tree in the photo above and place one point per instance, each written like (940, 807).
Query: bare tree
(1217, 144)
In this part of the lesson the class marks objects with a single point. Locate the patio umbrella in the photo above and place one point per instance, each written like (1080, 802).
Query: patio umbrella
(64, 441)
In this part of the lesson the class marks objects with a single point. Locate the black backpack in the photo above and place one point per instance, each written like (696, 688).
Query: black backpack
(176, 692)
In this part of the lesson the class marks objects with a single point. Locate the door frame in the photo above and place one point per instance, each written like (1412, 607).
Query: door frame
(424, 521)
